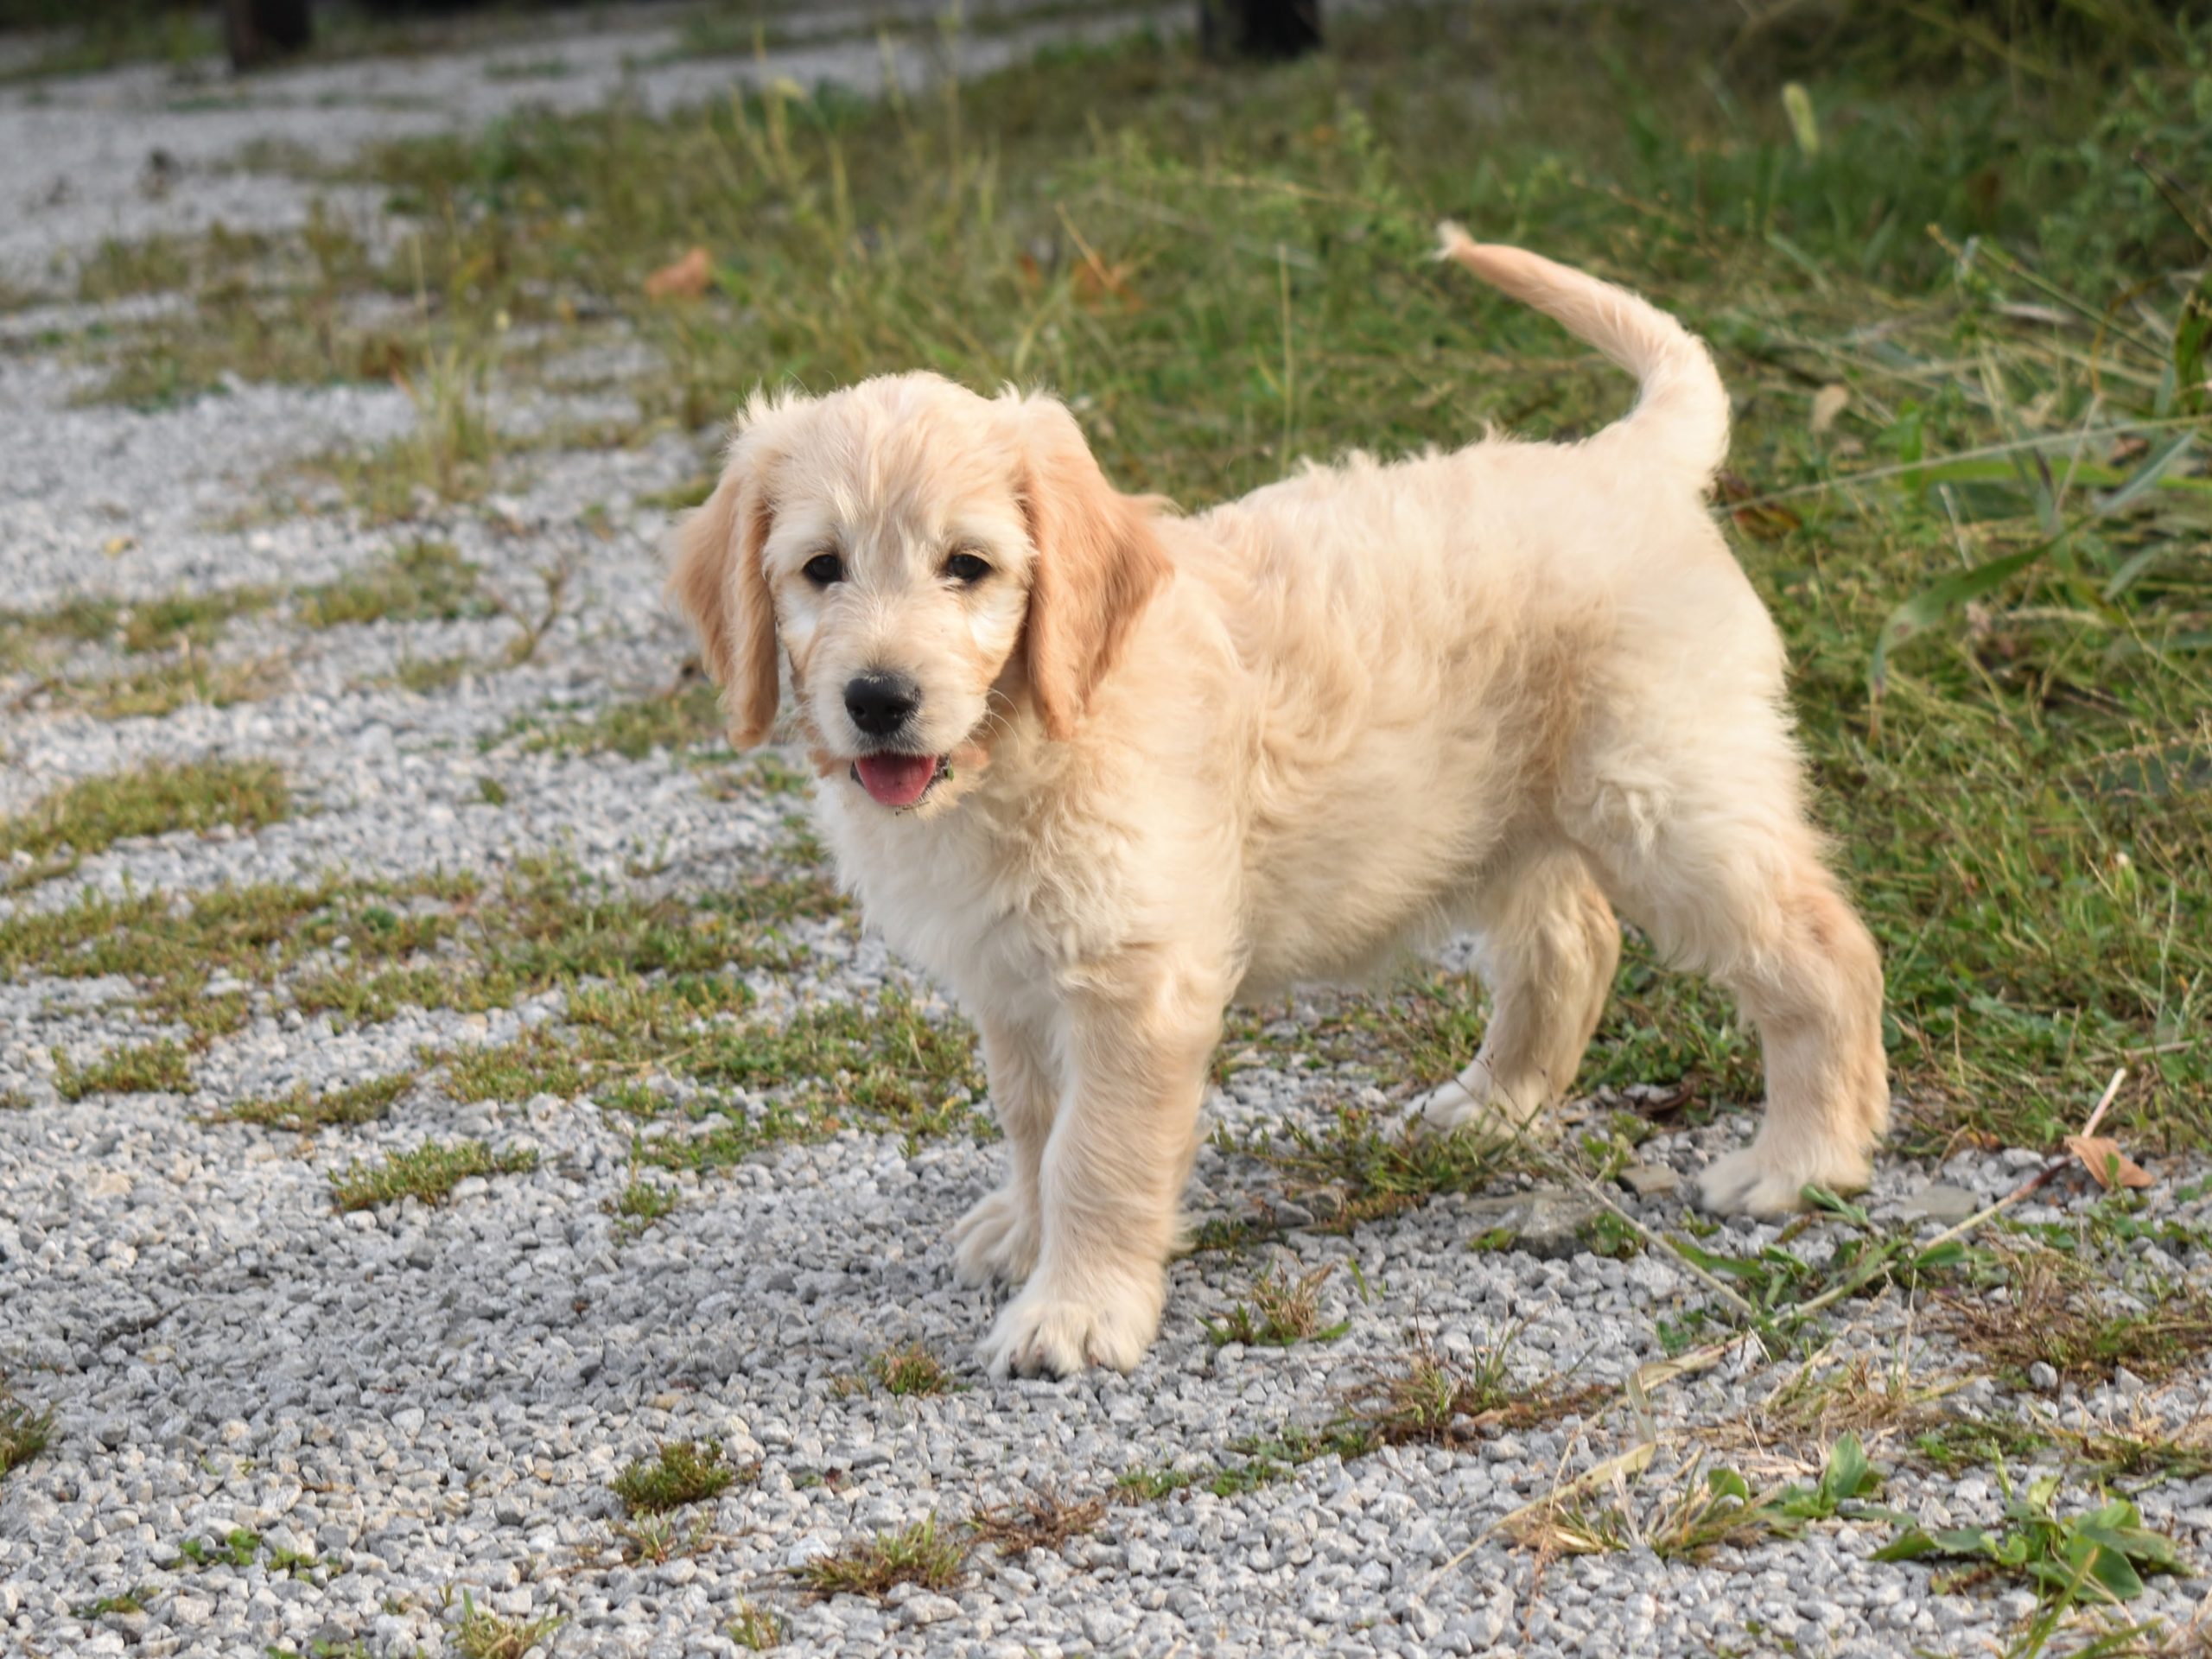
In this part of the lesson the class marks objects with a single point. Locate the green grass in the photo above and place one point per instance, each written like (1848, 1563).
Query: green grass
(2084, 1320)
(94, 813)
(911, 1370)
(482, 1634)
(678, 1473)
(756, 1628)
(159, 1067)
(1704, 1508)
(418, 582)
(678, 720)
(643, 1203)
(1359, 1166)
(429, 1172)
(23, 1433)
(301, 1109)
(923, 1554)
(176, 682)
(359, 951)
(1997, 629)
(2096, 1556)
(141, 32)
(447, 454)
(1279, 1311)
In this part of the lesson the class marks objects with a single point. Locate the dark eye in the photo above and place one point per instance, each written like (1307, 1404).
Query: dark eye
(967, 567)
(824, 569)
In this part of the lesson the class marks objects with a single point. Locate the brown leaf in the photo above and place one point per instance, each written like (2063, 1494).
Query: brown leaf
(686, 279)
(1767, 522)
(1097, 283)
(1828, 403)
(2107, 1164)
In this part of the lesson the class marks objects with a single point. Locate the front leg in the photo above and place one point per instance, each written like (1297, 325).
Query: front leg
(997, 1238)
(1110, 1182)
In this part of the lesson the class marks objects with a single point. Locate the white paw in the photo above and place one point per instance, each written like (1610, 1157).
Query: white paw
(996, 1239)
(1756, 1182)
(1449, 1109)
(1443, 1109)
(1044, 1332)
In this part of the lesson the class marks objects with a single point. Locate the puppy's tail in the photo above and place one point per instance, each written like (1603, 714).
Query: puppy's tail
(1682, 415)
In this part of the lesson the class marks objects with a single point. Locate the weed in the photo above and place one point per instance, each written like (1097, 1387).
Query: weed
(756, 1628)
(445, 456)
(240, 1546)
(921, 1554)
(1040, 1521)
(2060, 1313)
(158, 1067)
(1605, 1234)
(94, 813)
(483, 1634)
(643, 1203)
(323, 1647)
(676, 720)
(304, 1111)
(1710, 1509)
(1147, 1485)
(1362, 1166)
(657, 1538)
(1857, 1397)
(187, 679)
(912, 1369)
(424, 675)
(23, 1433)
(419, 582)
(429, 1172)
(1427, 1396)
(132, 1600)
(678, 1473)
(2100, 1555)
(1281, 1310)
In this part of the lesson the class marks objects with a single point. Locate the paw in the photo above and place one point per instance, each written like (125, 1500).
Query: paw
(1046, 1331)
(996, 1239)
(1450, 1108)
(1755, 1181)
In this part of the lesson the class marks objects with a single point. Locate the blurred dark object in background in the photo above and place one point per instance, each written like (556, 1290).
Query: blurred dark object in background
(254, 31)
(1268, 30)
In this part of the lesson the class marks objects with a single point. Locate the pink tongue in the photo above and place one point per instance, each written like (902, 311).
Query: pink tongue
(896, 779)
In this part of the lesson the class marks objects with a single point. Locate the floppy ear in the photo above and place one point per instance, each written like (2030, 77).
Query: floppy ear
(718, 580)
(1098, 564)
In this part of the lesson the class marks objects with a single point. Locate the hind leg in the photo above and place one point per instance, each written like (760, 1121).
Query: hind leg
(1719, 865)
(1546, 946)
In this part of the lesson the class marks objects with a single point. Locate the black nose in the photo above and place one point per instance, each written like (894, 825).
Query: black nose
(879, 703)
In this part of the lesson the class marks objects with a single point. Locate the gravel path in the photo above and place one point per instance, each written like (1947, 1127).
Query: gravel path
(276, 1424)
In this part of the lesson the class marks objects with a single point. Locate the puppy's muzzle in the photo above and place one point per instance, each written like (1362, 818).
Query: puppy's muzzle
(880, 704)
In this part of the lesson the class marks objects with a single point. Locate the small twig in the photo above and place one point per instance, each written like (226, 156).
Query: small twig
(1655, 1241)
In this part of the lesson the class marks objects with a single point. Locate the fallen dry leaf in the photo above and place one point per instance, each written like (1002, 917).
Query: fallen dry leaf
(686, 279)
(2107, 1165)
(1828, 403)
(1095, 283)
(1767, 521)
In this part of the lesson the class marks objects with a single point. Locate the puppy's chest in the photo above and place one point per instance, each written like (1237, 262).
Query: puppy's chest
(979, 903)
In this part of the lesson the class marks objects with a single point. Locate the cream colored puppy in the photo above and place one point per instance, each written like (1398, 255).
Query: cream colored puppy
(1104, 769)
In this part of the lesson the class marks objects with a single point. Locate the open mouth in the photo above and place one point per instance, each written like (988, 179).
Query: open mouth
(899, 780)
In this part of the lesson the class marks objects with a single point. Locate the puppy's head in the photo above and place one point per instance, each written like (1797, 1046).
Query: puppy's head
(931, 564)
